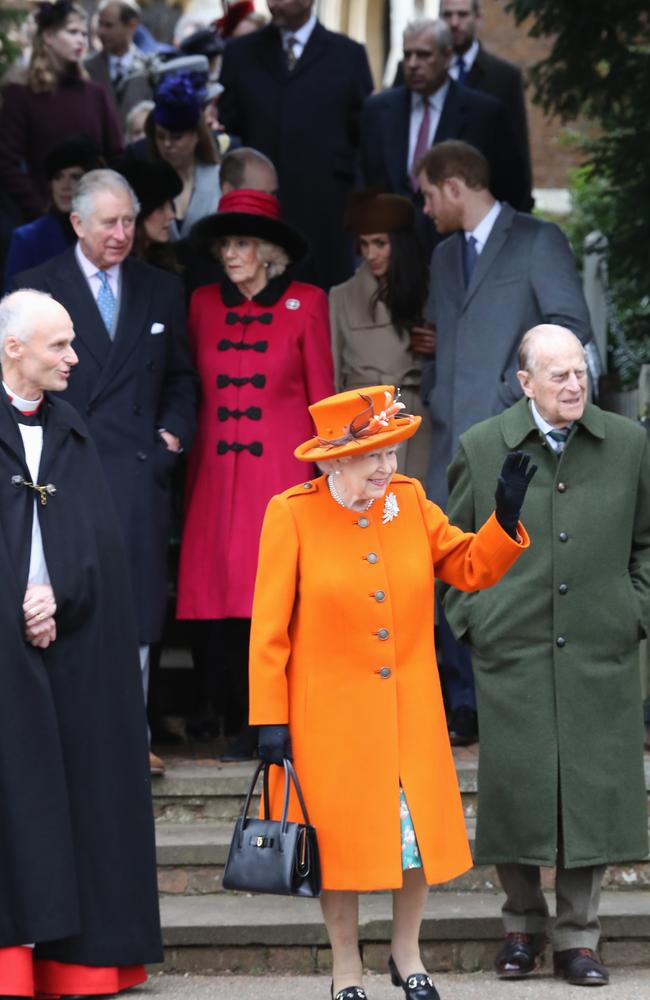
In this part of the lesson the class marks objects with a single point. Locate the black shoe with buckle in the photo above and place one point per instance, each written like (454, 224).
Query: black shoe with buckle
(417, 986)
(580, 967)
(349, 993)
(518, 956)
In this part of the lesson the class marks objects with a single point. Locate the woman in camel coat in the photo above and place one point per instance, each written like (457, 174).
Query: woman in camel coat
(343, 672)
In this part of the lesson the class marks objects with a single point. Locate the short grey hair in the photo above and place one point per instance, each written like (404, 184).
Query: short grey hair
(437, 28)
(95, 182)
(16, 314)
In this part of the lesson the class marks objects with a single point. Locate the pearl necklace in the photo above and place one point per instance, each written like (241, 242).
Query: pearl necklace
(336, 497)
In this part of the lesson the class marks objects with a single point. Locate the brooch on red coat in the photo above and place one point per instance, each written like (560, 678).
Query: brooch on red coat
(292, 304)
(391, 508)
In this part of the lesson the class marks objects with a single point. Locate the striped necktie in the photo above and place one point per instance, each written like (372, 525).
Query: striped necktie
(560, 437)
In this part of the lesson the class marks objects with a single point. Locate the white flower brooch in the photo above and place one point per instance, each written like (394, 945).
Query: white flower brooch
(391, 508)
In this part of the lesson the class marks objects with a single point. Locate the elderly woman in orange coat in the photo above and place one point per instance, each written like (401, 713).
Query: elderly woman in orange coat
(343, 673)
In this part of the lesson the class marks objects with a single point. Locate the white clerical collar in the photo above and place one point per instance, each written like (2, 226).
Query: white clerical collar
(24, 405)
(301, 35)
(484, 228)
(436, 99)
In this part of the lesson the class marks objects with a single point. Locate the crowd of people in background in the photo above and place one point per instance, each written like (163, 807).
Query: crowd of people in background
(238, 224)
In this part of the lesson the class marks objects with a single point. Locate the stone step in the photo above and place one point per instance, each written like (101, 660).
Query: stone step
(272, 934)
(191, 859)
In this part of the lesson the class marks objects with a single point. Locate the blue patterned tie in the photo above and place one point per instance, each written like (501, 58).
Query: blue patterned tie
(106, 302)
(462, 70)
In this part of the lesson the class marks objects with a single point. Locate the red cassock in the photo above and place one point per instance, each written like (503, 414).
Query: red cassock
(261, 363)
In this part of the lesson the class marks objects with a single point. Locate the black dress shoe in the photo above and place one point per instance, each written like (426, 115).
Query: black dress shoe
(463, 727)
(580, 967)
(349, 993)
(518, 957)
(417, 986)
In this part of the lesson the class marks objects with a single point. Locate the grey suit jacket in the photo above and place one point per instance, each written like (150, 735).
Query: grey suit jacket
(132, 89)
(525, 275)
(204, 200)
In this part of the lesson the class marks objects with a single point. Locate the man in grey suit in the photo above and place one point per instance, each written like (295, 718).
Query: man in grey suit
(120, 67)
(499, 274)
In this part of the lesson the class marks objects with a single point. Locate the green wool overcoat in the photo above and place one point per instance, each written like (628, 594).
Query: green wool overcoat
(555, 643)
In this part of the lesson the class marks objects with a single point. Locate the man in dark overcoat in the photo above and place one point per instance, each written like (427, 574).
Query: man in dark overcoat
(135, 386)
(294, 91)
(555, 648)
(77, 865)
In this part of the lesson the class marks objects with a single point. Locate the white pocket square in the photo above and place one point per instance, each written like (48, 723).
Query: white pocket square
(157, 328)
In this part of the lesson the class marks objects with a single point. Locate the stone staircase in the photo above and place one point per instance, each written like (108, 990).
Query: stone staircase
(207, 929)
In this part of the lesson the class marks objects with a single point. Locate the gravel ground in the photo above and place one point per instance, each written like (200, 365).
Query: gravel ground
(625, 985)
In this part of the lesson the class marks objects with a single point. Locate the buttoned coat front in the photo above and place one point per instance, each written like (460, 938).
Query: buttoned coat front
(555, 646)
(342, 649)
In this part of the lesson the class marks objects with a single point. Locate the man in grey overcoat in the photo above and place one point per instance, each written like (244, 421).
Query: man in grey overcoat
(500, 273)
(555, 648)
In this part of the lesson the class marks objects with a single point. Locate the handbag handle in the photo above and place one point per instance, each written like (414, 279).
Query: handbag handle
(289, 776)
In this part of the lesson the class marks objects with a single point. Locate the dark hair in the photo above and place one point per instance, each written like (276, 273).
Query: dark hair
(454, 158)
(159, 255)
(405, 290)
(206, 149)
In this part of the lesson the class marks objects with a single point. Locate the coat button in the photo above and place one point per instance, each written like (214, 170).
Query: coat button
(385, 672)
(379, 596)
(561, 487)
(372, 557)
(141, 456)
(306, 486)
(563, 536)
(137, 410)
(560, 641)
(150, 366)
(383, 633)
(363, 522)
(562, 589)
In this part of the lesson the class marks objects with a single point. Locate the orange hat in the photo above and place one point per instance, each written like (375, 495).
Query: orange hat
(356, 422)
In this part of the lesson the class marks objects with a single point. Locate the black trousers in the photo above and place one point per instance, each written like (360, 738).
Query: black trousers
(220, 655)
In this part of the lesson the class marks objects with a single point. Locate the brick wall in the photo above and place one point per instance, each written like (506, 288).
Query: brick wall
(500, 34)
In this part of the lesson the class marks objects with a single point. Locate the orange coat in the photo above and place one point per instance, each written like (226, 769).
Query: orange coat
(342, 649)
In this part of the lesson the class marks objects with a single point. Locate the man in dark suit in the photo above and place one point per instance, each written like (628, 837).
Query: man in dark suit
(400, 124)
(500, 273)
(473, 67)
(294, 91)
(135, 386)
(120, 67)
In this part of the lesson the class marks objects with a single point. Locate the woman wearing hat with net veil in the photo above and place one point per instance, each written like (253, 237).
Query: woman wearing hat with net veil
(376, 316)
(343, 673)
(261, 347)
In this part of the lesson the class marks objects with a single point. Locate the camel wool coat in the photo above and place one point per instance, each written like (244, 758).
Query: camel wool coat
(342, 649)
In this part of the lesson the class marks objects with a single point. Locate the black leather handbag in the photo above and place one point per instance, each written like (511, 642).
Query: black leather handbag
(274, 856)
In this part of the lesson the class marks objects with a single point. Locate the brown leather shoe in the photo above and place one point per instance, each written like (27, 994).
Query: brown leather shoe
(580, 967)
(156, 765)
(518, 956)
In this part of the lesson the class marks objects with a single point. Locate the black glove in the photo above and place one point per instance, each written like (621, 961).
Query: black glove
(511, 490)
(274, 743)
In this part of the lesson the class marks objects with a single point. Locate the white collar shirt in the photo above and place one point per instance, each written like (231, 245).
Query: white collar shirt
(468, 58)
(546, 428)
(482, 232)
(121, 66)
(91, 273)
(301, 36)
(436, 102)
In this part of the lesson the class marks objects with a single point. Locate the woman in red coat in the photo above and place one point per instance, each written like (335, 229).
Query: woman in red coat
(262, 348)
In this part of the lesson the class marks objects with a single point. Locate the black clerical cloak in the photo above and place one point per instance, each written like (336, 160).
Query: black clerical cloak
(77, 856)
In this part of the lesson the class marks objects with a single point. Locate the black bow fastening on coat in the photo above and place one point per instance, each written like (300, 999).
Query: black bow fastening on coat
(49, 490)
(238, 345)
(257, 381)
(253, 413)
(255, 447)
(232, 318)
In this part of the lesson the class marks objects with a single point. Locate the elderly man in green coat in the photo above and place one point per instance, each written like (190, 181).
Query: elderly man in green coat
(555, 653)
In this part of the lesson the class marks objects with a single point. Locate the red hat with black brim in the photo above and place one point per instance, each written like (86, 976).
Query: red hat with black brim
(245, 212)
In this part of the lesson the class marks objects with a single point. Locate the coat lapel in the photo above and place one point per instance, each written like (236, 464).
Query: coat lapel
(134, 305)
(78, 300)
(270, 53)
(495, 241)
(315, 48)
(395, 137)
(58, 423)
(10, 438)
(453, 113)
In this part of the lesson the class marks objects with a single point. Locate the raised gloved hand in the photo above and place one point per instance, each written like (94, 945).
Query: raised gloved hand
(274, 743)
(512, 484)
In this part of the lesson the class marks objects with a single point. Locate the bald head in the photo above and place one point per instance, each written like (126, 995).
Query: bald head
(553, 373)
(36, 335)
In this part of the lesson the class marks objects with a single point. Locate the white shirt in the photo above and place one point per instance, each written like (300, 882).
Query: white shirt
(121, 65)
(468, 59)
(546, 428)
(33, 444)
(484, 228)
(301, 36)
(91, 273)
(436, 102)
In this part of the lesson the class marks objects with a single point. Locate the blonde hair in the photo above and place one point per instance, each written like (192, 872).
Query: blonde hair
(274, 258)
(43, 74)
